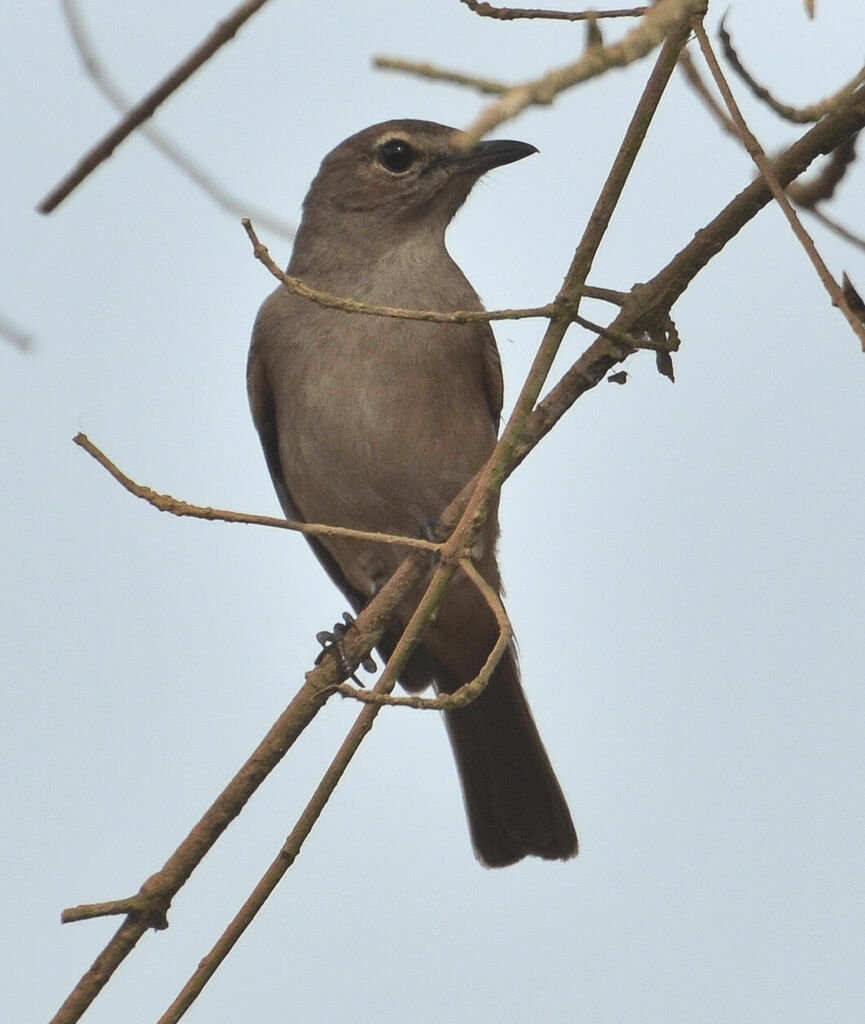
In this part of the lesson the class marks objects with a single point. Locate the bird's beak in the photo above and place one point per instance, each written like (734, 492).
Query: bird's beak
(487, 155)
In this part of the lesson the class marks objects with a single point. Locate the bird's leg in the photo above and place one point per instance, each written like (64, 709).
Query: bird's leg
(332, 641)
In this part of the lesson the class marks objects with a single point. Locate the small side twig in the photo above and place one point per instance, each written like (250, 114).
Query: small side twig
(460, 316)
(436, 74)
(695, 80)
(165, 503)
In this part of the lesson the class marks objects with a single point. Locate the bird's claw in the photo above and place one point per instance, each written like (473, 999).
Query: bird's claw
(332, 641)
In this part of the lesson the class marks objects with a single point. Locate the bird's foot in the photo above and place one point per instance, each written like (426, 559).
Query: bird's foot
(332, 641)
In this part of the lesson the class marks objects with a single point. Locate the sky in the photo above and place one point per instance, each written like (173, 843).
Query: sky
(683, 562)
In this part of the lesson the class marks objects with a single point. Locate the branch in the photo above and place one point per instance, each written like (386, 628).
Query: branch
(426, 70)
(765, 166)
(165, 503)
(169, 149)
(223, 33)
(651, 302)
(460, 316)
(647, 304)
(660, 20)
(799, 115)
(291, 848)
(486, 10)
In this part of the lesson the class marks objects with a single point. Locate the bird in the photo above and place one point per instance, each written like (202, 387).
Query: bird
(377, 423)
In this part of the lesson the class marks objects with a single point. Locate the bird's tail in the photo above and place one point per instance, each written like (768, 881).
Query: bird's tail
(513, 800)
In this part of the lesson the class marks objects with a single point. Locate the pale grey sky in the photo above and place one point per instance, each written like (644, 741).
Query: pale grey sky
(683, 563)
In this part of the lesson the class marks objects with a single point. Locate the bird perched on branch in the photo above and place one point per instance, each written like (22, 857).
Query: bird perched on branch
(376, 424)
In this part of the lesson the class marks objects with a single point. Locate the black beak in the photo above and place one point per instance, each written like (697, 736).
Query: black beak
(487, 155)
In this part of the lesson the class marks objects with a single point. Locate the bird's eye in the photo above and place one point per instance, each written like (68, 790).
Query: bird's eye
(396, 156)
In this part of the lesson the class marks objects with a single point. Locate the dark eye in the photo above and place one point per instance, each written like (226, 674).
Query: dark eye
(396, 156)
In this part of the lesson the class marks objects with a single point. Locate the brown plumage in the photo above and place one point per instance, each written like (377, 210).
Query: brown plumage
(377, 424)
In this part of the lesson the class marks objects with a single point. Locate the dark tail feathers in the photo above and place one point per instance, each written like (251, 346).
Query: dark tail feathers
(513, 800)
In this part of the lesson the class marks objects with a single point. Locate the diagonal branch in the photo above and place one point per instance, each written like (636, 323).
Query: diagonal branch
(650, 302)
(798, 115)
(765, 165)
(660, 20)
(145, 108)
(165, 503)
(169, 149)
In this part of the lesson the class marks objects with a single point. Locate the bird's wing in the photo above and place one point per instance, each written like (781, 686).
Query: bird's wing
(264, 417)
(492, 373)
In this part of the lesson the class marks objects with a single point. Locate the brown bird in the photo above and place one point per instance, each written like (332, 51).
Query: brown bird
(376, 424)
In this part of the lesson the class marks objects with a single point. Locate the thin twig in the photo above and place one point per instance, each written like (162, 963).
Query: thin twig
(348, 305)
(165, 503)
(436, 74)
(468, 691)
(765, 165)
(145, 108)
(169, 149)
(695, 79)
(836, 226)
(292, 846)
(798, 115)
(486, 10)
(460, 316)
(651, 302)
(806, 194)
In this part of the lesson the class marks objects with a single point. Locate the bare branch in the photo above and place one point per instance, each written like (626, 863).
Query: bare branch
(486, 10)
(462, 316)
(765, 165)
(660, 20)
(651, 302)
(169, 149)
(836, 226)
(695, 79)
(799, 115)
(165, 503)
(436, 74)
(223, 33)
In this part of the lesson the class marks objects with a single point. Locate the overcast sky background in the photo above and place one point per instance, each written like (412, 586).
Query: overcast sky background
(684, 563)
